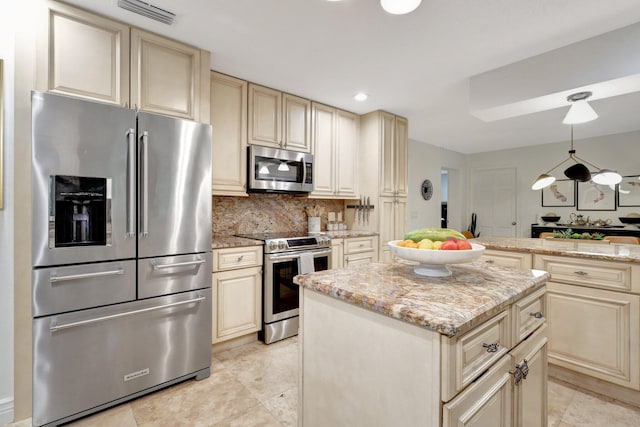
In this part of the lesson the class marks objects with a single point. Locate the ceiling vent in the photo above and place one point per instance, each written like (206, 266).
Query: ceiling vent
(148, 10)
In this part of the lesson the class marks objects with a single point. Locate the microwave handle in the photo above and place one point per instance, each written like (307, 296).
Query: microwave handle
(304, 171)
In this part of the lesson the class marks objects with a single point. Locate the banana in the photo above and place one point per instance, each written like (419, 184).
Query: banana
(433, 234)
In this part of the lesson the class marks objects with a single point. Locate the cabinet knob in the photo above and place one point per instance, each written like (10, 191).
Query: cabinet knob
(491, 348)
(537, 315)
(517, 375)
(520, 372)
(489, 261)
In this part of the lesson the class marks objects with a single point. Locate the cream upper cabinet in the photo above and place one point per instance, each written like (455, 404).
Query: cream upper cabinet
(86, 55)
(334, 148)
(165, 75)
(279, 120)
(394, 155)
(83, 54)
(229, 130)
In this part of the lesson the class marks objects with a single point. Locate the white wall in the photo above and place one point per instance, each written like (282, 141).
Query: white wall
(426, 162)
(620, 152)
(6, 225)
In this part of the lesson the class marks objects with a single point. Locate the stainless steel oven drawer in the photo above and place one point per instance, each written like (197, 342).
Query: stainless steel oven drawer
(88, 358)
(168, 275)
(60, 289)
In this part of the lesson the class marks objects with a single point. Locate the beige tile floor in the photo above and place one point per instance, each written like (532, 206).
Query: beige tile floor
(255, 385)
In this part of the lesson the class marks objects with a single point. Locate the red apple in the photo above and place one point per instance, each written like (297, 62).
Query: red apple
(464, 245)
(449, 245)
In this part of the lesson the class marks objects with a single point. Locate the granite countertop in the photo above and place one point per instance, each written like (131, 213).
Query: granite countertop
(577, 248)
(345, 234)
(219, 242)
(451, 305)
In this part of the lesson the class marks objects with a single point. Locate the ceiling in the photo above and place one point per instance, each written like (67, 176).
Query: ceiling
(417, 65)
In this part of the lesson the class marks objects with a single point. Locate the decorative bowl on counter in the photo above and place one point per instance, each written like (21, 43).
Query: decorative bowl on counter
(433, 263)
(550, 218)
(629, 219)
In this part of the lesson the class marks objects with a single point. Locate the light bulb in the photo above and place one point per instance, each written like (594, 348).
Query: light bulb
(399, 7)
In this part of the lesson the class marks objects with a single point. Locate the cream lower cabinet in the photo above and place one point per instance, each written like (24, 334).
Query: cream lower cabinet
(86, 55)
(337, 253)
(229, 135)
(517, 260)
(393, 223)
(360, 250)
(594, 318)
(279, 120)
(237, 292)
(334, 145)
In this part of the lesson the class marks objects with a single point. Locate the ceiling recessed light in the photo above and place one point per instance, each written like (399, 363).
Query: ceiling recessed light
(360, 96)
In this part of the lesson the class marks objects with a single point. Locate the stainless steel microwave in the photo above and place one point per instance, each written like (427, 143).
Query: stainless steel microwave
(279, 171)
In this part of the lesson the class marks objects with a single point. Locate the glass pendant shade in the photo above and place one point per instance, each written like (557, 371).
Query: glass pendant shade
(399, 7)
(543, 181)
(579, 172)
(580, 112)
(607, 177)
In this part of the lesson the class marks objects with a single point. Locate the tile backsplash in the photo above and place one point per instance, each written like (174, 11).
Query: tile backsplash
(267, 212)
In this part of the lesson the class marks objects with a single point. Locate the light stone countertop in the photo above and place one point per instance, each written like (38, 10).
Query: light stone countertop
(219, 242)
(451, 305)
(346, 234)
(577, 248)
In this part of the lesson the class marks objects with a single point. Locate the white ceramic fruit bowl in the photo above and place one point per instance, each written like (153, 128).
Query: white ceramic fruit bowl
(433, 263)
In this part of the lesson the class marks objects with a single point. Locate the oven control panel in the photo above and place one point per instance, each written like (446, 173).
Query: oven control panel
(296, 244)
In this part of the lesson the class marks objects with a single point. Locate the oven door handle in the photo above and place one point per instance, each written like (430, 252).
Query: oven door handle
(292, 256)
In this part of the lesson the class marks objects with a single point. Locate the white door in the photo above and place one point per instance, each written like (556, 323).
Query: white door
(493, 199)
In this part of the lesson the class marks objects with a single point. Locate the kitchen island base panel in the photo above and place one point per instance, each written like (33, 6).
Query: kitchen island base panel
(595, 385)
(355, 360)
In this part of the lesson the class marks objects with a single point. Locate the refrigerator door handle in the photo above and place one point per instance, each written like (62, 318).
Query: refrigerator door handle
(144, 217)
(131, 183)
(55, 278)
(156, 266)
(57, 327)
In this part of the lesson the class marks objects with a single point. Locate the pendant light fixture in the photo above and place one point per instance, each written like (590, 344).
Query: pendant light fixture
(578, 172)
(399, 7)
(580, 110)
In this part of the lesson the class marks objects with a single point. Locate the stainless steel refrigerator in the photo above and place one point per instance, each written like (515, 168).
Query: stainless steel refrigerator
(121, 251)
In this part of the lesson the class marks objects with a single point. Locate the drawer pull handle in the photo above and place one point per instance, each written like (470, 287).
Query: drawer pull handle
(489, 261)
(491, 348)
(240, 258)
(176, 264)
(55, 278)
(581, 273)
(537, 315)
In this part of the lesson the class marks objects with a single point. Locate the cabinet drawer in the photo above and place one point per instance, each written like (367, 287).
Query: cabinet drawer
(232, 258)
(589, 272)
(358, 245)
(516, 260)
(464, 358)
(528, 314)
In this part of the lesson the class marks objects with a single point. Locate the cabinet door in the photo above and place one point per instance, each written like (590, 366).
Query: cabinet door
(265, 116)
(485, 403)
(84, 55)
(530, 394)
(387, 171)
(595, 332)
(362, 258)
(347, 154)
(387, 206)
(237, 303)
(401, 156)
(296, 125)
(323, 141)
(229, 132)
(165, 76)
(337, 253)
(399, 218)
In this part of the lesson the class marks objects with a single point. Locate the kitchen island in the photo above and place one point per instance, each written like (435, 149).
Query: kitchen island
(382, 346)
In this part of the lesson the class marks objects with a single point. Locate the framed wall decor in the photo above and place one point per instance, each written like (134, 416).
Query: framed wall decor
(595, 197)
(629, 191)
(560, 193)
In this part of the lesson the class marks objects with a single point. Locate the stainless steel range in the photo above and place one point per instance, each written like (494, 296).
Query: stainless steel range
(285, 256)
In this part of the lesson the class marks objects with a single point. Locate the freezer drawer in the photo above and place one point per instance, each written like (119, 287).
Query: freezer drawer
(77, 287)
(171, 274)
(85, 359)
